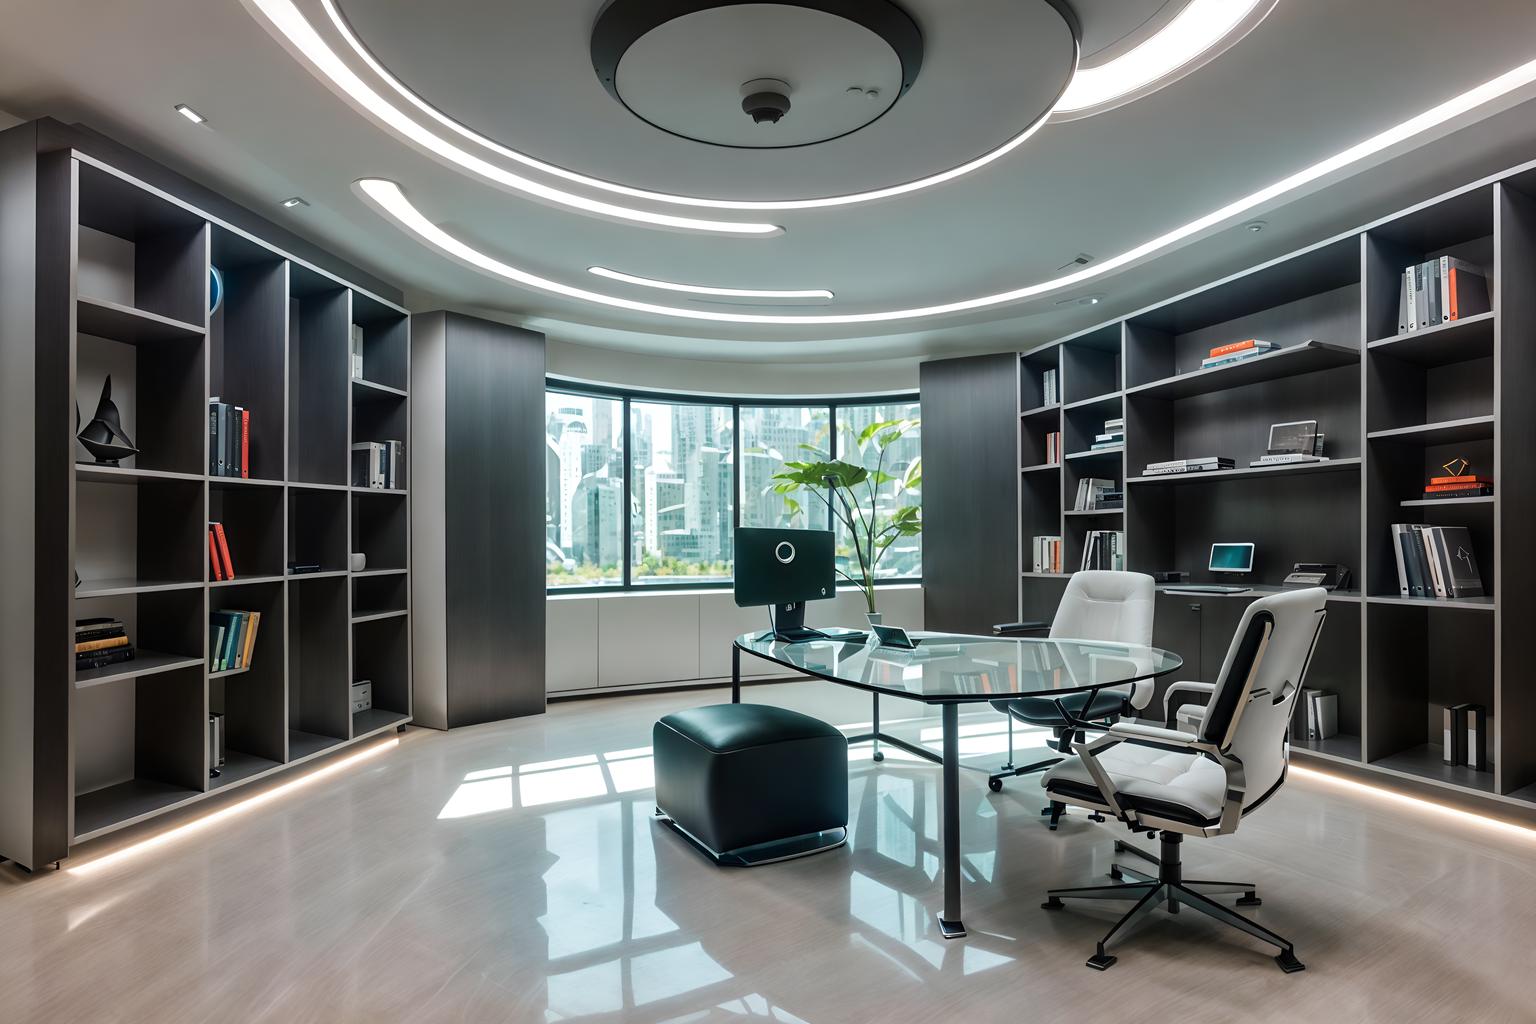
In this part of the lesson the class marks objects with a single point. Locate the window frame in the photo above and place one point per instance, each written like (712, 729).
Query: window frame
(735, 403)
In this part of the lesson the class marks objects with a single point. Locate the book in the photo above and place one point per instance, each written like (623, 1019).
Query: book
(250, 638)
(1468, 478)
(85, 646)
(1411, 297)
(1240, 346)
(99, 622)
(1457, 492)
(357, 352)
(368, 464)
(214, 468)
(1404, 302)
(223, 548)
(1432, 300)
(232, 441)
(1235, 357)
(99, 634)
(1047, 554)
(1053, 448)
(1458, 562)
(245, 443)
(215, 644)
(101, 659)
(1466, 291)
(214, 564)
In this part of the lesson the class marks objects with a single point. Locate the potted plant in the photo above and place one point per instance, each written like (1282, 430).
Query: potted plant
(854, 492)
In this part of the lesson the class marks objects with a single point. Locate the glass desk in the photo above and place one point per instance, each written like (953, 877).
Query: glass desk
(949, 670)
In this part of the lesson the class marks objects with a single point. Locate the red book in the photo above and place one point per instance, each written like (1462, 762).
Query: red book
(213, 555)
(1236, 346)
(1459, 488)
(229, 568)
(1469, 479)
(245, 443)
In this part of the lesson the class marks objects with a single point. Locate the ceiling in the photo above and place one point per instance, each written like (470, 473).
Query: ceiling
(1313, 78)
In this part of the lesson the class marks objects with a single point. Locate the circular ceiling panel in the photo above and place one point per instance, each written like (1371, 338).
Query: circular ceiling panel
(691, 75)
(522, 76)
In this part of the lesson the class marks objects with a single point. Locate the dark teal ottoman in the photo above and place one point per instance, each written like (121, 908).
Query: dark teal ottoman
(750, 784)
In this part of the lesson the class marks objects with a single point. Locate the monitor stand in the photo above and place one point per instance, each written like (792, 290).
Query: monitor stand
(789, 625)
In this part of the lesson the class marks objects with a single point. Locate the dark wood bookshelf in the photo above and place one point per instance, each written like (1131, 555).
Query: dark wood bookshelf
(1394, 407)
(276, 344)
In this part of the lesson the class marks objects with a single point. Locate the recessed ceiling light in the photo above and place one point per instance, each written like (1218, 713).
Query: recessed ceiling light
(293, 201)
(390, 199)
(286, 20)
(1256, 225)
(1194, 36)
(190, 114)
(778, 294)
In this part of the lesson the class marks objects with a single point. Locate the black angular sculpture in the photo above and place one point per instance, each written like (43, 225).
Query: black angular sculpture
(103, 437)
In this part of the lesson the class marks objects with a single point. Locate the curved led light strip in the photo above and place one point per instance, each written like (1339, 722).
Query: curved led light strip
(390, 199)
(813, 294)
(1194, 34)
(284, 19)
(769, 205)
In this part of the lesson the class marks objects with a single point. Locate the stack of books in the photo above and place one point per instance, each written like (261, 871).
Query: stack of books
(219, 563)
(1113, 436)
(1047, 557)
(1439, 291)
(1173, 466)
(1095, 494)
(1104, 549)
(1236, 352)
(1435, 561)
(1466, 485)
(379, 465)
(100, 642)
(229, 439)
(1048, 384)
(1053, 448)
(231, 639)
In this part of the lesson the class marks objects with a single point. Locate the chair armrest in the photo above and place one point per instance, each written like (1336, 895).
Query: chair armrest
(1167, 739)
(1193, 691)
(1010, 628)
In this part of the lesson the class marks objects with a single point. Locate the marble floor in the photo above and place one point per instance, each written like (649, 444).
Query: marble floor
(513, 872)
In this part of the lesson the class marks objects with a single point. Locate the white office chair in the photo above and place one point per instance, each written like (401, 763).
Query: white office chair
(1170, 782)
(1114, 607)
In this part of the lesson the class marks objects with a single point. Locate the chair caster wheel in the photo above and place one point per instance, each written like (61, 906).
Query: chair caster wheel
(1096, 816)
(879, 756)
(1250, 899)
(1052, 904)
(1101, 961)
(1288, 962)
(995, 785)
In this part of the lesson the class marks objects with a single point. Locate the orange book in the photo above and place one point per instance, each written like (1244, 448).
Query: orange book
(1236, 346)
(101, 645)
(1437, 488)
(213, 554)
(253, 619)
(1468, 479)
(229, 568)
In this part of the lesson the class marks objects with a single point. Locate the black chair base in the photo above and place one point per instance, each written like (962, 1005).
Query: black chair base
(1168, 888)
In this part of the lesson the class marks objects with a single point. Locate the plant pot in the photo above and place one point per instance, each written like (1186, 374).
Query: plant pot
(875, 618)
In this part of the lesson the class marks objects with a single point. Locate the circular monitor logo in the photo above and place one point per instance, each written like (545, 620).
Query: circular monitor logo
(784, 552)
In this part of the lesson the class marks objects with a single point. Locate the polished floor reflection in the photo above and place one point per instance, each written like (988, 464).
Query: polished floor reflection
(513, 873)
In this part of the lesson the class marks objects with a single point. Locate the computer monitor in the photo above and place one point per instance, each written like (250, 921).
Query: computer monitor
(785, 569)
(1232, 558)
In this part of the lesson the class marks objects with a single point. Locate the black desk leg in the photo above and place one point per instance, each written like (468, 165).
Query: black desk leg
(735, 674)
(875, 725)
(949, 921)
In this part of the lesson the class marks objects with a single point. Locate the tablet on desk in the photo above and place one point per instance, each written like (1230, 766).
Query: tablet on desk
(894, 636)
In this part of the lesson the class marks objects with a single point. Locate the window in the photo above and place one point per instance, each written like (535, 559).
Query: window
(583, 490)
(896, 459)
(696, 471)
(771, 436)
(681, 481)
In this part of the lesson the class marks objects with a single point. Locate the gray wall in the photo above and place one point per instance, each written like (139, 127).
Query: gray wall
(477, 520)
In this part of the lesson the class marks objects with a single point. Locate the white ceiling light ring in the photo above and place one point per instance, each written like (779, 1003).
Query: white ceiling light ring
(1197, 35)
(355, 43)
(291, 28)
(388, 198)
(773, 294)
